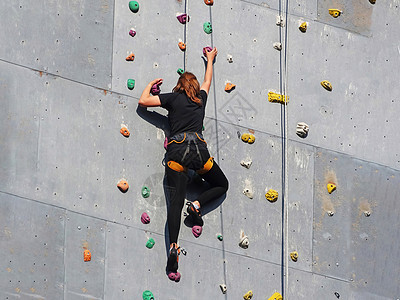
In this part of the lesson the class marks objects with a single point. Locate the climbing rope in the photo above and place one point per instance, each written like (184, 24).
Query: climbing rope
(186, 28)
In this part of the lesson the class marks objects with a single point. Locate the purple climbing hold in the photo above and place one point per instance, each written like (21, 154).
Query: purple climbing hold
(174, 276)
(205, 50)
(183, 18)
(145, 218)
(197, 230)
(166, 143)
(155, 90)
(132, 32)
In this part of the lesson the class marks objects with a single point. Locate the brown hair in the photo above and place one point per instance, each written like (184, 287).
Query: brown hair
(187, 83)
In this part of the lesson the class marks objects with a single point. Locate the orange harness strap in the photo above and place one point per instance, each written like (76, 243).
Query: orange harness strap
(176, 166)
(207, 166)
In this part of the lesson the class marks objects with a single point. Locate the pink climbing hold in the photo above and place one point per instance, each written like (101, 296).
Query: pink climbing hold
(183, 18)
(155, 89)
(174, 276)
(132, 33)
(205, 50)
(166, 143)
(145, 218)
(197, 230)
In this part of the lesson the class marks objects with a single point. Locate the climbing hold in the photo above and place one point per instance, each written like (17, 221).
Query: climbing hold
(207, 27)
(220, 237)
(229, 87)
(276, 296)
(125, 131)
(277, 46)
(180, 71)
(372, 1)
(248, 295)
(280, 21)
(334, 12)
(251, 139)
(246, 163)
(245, 137)
(123, 185)
(302, 129)
(244, 240)
(183, 18)
(248, 192)
(130, 57)
(147, 295)
(130, 84)
(294, 255)
(331, 187)
(145, 218)
(330, 213)
(367, 213)
(337, 295)
(150, 243)
(87, 256)
(277, 98)
(197, 230)
(327, 85)
(182, 46)
(209, 2)
(174, 276)
(229, 58)
(303, 27)
(223, 288)
(206, 49)
(271, 195)
(155, 89)
(134, 6)
(132, 32)
(145, 192)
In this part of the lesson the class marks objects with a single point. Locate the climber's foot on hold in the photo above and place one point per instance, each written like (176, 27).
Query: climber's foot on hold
(196, 215)
(172, 263)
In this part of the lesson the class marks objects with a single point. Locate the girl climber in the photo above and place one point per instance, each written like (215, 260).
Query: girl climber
(186, 150)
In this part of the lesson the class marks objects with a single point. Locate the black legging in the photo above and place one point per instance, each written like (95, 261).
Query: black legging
(177, 182)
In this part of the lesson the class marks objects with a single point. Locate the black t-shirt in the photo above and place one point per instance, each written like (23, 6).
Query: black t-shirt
(184, 115)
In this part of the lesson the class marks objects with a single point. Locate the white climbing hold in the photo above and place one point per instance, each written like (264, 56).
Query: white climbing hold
(248, 190)
(277, 46)
(246, 163)
(280, 21)
(229, 58)
(302, 129)
(223, 288)
(244, 240)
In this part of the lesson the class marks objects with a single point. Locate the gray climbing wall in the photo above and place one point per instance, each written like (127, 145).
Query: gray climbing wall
(63, 98)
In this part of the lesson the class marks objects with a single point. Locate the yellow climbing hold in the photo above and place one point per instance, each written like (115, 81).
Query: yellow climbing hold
(294, 256)
(331, 187)
(334, 12)
(248, 295)
(303, 27)
(327, 85)
(245, 137)
(271, 195)
(251, 139)
(276, 296)
(277, 98)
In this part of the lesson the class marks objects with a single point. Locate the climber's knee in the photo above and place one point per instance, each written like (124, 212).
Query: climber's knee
(207, 166)
(176, 166)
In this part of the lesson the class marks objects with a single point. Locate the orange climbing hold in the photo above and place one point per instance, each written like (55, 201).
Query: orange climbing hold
(87, 256)
(130, 57)
(125, 132)
(182, 46)
(123, 185)
(209, 2)
(229, 87)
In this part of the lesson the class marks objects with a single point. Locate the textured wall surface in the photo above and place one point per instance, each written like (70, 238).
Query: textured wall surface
(64, 96)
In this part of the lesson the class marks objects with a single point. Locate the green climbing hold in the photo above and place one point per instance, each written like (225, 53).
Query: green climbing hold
(147, 295)
(203, 128)
(150, 243)
(207, 27)
(134, 6)
(220, 237)
(180, 71)
(131, 84)
(145, 192)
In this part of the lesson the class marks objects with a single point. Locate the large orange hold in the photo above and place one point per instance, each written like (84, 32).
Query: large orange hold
(125, 132)
(123, 185)
(130, 57)
(209, 2)
(229, 87)
(182, 46)
(87, 256)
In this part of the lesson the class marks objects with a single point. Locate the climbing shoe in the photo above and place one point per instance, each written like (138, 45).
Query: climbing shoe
(173, 259)
(196, 215)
